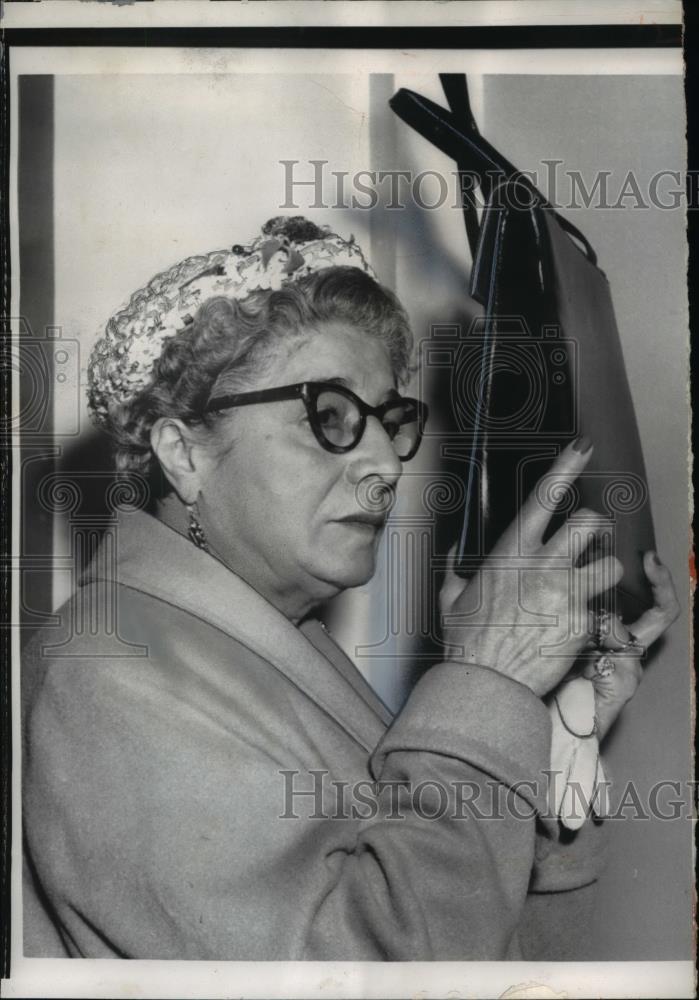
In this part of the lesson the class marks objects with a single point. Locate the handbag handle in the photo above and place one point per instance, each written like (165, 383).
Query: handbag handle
(455, 88)
(472, 152)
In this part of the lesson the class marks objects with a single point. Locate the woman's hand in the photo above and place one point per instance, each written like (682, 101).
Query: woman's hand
(613, 690)
(525, 612)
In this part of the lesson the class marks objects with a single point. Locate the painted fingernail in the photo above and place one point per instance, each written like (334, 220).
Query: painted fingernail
(582, 444)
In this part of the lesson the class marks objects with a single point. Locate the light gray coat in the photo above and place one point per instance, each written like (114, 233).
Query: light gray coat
(155, 794)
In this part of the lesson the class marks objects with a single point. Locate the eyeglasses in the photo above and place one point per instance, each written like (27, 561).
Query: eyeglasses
(338, 417)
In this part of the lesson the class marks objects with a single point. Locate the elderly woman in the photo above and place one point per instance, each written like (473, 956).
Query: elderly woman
(221, 782)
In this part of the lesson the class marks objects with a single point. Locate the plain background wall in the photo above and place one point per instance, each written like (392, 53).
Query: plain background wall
(148, 170)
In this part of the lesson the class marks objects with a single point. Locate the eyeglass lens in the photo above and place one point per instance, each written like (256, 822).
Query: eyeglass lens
(340, 422)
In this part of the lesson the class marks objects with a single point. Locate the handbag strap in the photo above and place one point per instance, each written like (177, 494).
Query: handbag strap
(473, 153)
(455, 88)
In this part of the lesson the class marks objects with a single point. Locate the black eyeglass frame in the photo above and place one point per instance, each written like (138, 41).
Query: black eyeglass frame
(309, 392)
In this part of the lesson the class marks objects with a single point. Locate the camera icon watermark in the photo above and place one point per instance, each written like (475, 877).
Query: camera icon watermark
(44, 372)
(532, 373)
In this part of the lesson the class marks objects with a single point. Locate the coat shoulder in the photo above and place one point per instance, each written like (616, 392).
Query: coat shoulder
(138, 659)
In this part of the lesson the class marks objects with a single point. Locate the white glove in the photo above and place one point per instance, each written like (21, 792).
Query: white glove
(577, 783)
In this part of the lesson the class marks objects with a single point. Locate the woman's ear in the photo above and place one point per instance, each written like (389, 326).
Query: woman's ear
(173, 445)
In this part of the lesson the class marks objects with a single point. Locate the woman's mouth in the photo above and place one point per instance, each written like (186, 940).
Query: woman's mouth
(373, 522)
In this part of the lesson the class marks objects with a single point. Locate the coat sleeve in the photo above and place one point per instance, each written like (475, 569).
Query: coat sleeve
(155, 832)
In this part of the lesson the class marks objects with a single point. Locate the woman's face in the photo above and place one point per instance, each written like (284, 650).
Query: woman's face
(286, 515)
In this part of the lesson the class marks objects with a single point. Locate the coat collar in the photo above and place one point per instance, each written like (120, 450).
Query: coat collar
(154, 559)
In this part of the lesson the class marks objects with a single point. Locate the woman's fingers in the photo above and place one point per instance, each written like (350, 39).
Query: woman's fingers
(576, 535)
(525, 533)
(598, 576)
(651, 625)
(614, 691)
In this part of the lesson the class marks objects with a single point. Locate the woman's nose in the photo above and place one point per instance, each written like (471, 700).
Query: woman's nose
(374, 456)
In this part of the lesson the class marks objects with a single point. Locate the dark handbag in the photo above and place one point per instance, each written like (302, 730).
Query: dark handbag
(543, 366)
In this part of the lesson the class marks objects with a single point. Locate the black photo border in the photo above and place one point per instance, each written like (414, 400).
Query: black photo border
(569, 36)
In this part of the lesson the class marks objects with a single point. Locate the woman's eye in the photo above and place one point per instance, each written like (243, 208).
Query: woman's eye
(328, 415)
